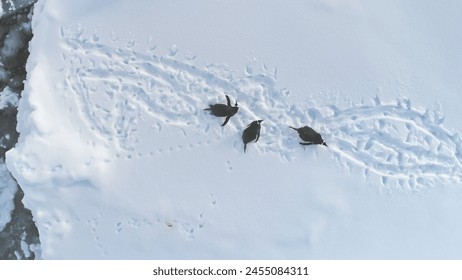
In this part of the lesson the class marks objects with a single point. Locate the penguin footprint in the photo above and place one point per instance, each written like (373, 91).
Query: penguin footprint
(229, 167)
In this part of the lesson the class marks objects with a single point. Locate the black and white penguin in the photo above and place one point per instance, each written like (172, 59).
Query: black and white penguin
(223, 110)
(310, 136)
(252, 132)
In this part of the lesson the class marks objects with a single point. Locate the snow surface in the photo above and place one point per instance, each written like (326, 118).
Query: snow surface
(118, 160)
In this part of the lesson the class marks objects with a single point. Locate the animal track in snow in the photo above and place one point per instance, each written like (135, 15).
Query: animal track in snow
(93, 224)
(191, 227)
(120, 89)
(116, 89)
(405, 147)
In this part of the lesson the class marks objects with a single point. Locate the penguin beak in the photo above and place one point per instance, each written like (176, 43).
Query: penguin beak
(324, 143)
(259, 121)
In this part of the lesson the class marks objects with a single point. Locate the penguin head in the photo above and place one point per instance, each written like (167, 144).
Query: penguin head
(235, 104)
(234, 109)
(259, 121)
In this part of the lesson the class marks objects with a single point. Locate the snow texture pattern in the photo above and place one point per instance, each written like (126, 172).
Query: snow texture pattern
(116, 88)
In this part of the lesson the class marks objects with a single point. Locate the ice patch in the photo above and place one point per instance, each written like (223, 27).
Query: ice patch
(8, 188)
(14, 41)
(8, 98)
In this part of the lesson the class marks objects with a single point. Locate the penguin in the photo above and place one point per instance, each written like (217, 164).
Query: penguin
(310, 136)
(252, 132)
(223, 110)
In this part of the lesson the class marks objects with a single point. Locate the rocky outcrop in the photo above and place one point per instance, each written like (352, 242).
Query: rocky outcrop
(19, 236)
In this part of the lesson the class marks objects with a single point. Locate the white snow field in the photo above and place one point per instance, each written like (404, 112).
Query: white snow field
(118, 159)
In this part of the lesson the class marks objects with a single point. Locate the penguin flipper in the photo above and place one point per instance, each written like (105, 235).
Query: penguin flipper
(226, 120)
(227, 100)
(306, 144)
(245, 147)
(258, 137)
